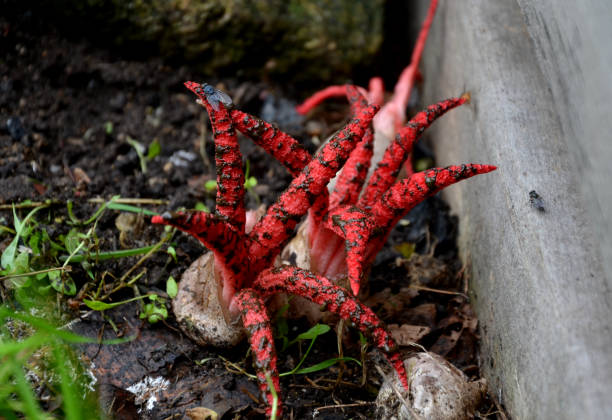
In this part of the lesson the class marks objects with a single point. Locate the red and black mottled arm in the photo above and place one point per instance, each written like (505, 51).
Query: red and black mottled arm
(220, 237)
(400, 148)
(407, 193)
(228, 161)
(354, 226)
(353, 175)
(257, 322)
(320, 290)
(274, 229)
(284, 148)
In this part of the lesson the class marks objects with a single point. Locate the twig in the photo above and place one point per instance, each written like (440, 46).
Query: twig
(153, 250)
(443, 292)
(67, 268)
(357, 404)
(152, 201)
(31, 204)
(237, 369)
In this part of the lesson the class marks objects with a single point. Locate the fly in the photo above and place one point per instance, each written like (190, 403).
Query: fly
(536, 201)
(214, 96)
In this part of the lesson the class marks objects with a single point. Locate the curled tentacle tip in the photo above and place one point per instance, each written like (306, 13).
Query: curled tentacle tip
(192, 85)
(466, 97)
(162, 219)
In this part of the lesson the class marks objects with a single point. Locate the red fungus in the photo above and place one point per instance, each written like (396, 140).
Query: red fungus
(241, 256)
(349, 218)
(244, 260)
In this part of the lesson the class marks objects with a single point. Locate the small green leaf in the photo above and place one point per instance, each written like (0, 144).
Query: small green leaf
(140, 149)
(210, 185)
(62, 283)
(362, 339)
(34, 242)
(154, 149)
(69, 288)
(22, 263)
(108, 127)
(54, 276)
(201, 206)
(405, 248)
(72, 240)
(313, 333)
(17, 222)
(8, 256)
(56, 283)
(154, 313)
(172, 253)
(250, 182)
(20, 266)
(171, 287)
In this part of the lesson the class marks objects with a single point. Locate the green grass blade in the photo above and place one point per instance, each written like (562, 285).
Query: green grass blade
(323, 365)
(109, 255)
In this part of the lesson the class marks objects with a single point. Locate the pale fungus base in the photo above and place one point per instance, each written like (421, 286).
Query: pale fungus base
(438, 391)
(198, 309)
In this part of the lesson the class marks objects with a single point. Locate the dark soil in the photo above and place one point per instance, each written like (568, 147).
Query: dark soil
(58, 100)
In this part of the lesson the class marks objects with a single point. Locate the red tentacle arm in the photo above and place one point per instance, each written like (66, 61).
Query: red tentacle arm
(227, 244)
(407, 193)
(392, 116)
(400, 148)
(257, 322)
(357, 98)
(349, 180)
(353, 175)
(320, 96)
(228, 161)
(376, 91)
(327, 257)
(354, 226)
(320, 290)
(284, 148)
(274, 229)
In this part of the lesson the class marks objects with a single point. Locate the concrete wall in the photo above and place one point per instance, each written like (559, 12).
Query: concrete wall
(540, 74)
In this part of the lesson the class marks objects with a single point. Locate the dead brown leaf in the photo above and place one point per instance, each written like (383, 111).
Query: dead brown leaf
(202, 413)
(406, 335)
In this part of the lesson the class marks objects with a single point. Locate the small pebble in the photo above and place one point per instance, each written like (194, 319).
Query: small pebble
(15, 128)
(118, 101)
(181, 158)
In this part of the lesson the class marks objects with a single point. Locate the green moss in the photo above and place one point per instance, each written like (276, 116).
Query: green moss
(298, 39)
